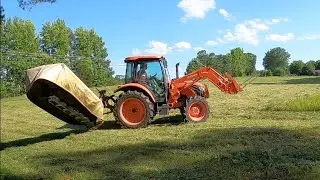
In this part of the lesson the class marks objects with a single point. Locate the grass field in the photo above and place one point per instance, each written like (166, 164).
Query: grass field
(271, 130)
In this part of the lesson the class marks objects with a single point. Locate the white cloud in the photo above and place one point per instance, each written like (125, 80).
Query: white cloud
(257, 24)
(280, 38)
(225, 14)
(161, 48)
(221, 41)
(121, 64)
(158, 48)
(211, 43)
(196, 8)
(310, 37)
(199, 48)
(229, 36)
(243, 33)
(182, 45)
(277, 20)
(136, 52)
(285, 19)
(247, 32)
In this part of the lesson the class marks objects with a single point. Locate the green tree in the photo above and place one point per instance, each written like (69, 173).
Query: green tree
(227, 64)
(251, 60)
(280, 72)
(196, 63)
(296, 67)
(317, 65)
(12, 70)
(20, 35)
(2, 28)
(2, 16)
(18, 47)
(30, 3)
(269, 73)
(238, 62)
(24, 4)
(89, 47)
(204, 59)
(19, 52)
(193, 65)
(55, 38)
(84, 51)
(217, 62)
(309, 68)
(276, 59)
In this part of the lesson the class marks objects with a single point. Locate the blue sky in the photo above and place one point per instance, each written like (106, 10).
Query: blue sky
(179, 28)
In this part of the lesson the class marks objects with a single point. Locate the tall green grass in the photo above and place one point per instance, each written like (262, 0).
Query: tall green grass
(305, 103)
(240, 140)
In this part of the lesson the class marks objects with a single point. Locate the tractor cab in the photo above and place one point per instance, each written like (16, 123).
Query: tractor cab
(151, 72)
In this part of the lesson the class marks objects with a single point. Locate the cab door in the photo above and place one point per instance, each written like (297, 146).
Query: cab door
(156, 80)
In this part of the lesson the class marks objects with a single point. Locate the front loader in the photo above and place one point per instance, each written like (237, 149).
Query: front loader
(147, 91)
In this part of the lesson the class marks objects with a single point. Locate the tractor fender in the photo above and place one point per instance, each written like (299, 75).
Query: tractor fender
(137, 86)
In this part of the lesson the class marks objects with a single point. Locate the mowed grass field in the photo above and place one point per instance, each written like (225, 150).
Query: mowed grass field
(271, 130)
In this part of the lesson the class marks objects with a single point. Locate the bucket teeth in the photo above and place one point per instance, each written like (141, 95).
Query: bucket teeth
(73, 113)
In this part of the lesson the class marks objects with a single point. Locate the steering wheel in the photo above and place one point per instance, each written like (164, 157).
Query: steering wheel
(154, 76)
(155, 86)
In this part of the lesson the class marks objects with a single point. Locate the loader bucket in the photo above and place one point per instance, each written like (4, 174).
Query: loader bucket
(57, 90)
(233, 86)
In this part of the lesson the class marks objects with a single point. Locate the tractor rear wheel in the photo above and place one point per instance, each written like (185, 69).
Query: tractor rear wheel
(196, 110)
(133, 109)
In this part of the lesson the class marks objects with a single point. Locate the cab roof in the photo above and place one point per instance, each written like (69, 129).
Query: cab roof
(143, 58)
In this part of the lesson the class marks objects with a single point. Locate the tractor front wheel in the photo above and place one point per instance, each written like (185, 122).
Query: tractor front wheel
(133, 109)
(196, 110)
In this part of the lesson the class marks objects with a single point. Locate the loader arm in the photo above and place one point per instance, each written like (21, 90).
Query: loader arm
(226, 84)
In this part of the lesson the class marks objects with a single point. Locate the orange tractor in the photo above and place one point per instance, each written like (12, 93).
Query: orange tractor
(148, 91)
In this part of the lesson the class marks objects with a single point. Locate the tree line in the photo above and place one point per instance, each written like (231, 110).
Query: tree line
(276, 63)
(82, 50)
(236, 62)
(300, 68)
(239, 63)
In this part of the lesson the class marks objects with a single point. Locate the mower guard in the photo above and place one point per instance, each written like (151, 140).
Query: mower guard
(57, 80)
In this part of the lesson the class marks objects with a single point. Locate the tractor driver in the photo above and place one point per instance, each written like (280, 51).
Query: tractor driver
(152, 81)
(142, 73)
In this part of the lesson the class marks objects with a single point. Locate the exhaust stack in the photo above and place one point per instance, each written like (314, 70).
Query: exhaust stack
(177, 70)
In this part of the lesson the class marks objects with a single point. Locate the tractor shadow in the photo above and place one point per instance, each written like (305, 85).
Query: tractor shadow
(306, 80)
(75, 129)
(310, 80)
(39, 139)
(265, 83)
(174, 120)
(108, 125)
(160, 121)
(233, 153)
